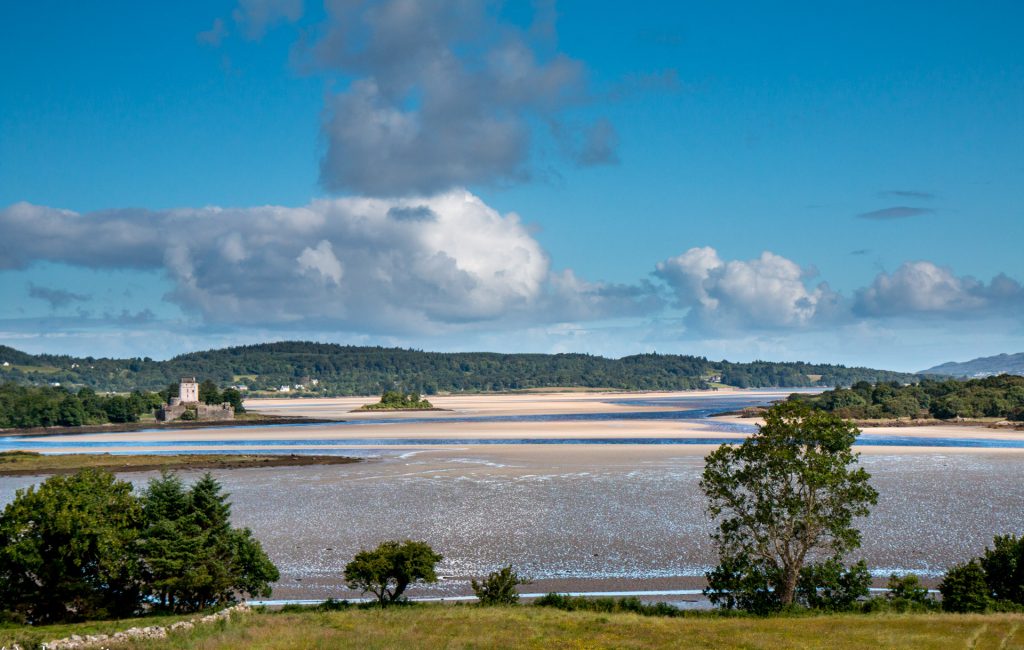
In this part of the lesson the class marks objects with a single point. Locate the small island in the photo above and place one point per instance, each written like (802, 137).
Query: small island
(394, 400)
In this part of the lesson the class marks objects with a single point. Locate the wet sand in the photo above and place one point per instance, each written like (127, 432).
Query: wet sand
(602, 519)
(574, 517)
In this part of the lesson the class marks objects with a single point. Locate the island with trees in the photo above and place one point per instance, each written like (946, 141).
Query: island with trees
(997, 398)
(394, 400)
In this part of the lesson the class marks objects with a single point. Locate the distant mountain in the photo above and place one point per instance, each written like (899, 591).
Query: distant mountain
(329, 369)
(1001, 364)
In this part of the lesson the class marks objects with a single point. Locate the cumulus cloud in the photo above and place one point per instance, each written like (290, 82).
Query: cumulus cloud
(442, 94)
(420, 264)
(897, 212)
(925, 288)
(56, 297)
(769, 292)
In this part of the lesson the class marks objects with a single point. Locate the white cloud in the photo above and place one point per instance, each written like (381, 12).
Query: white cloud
(765, 293)
(923, 287)
(322, 261)
(421, 264)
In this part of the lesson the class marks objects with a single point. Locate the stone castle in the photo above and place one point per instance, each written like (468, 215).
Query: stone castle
(188, 400)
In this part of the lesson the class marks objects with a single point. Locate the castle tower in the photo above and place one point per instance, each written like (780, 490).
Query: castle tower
(188, 390)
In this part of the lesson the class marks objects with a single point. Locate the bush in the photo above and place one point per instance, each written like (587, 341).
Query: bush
(964, 589)
(499, 588)
(832, 587)
(632, 605)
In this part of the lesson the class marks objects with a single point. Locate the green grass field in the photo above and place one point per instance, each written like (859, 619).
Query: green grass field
(466, 626)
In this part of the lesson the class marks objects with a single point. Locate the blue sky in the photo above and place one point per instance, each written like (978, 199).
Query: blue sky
(824, 181)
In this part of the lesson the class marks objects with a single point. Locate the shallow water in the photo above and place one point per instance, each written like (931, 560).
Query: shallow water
(631, 524)
(618, 522)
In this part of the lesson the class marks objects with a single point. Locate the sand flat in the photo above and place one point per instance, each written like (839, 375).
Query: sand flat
(452, 425)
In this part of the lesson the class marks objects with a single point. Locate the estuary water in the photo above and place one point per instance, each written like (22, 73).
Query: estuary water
(578, 514)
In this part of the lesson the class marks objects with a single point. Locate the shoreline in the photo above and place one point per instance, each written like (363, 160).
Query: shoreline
(34, 464)
(135, 427)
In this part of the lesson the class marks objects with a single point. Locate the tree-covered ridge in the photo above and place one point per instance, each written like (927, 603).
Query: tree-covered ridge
(991, 397)
(351, 370)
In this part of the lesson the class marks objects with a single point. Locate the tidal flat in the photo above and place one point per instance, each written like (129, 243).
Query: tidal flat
(582, 517)
(604, 520)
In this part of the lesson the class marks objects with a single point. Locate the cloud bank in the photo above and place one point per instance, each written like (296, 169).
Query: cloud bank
(391, 265)
(450, 263)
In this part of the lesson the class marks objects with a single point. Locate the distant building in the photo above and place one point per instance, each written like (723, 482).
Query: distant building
(188, 400)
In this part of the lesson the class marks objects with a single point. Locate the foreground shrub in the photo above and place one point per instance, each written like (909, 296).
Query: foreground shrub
(499, 588)
(630, 604)
(830, 586)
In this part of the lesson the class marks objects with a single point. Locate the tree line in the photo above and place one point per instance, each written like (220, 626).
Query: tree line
(352, 370)
(51, 406)
(84, 546)
(991, 397)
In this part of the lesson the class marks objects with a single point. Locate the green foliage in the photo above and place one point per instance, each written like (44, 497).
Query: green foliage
(84, 547)
(350, 370)
(1001, 397)
(907, 594)
(387, 570)
(50, 406)
(964, 589)
(393, 399)
(631, 604)
(1004, 568)
(789, 492)
(209, 393)
(499, 588)
(830, 586)
(66, 549)
(233, 397)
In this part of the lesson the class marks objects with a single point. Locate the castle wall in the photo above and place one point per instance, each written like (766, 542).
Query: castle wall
(212, 412)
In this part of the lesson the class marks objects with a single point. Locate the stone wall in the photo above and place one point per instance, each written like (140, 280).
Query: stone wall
(169, 412)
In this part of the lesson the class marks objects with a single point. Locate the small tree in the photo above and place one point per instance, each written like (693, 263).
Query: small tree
(499, 588)
(964, 589)
(387, 570)
(786, 494)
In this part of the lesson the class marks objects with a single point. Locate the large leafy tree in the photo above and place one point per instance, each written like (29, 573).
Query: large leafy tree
(387, 570)
(66, 549)
(784, 498)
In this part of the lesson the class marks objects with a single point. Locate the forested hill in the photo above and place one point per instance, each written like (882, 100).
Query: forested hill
(348, 370)
(1008, 364)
